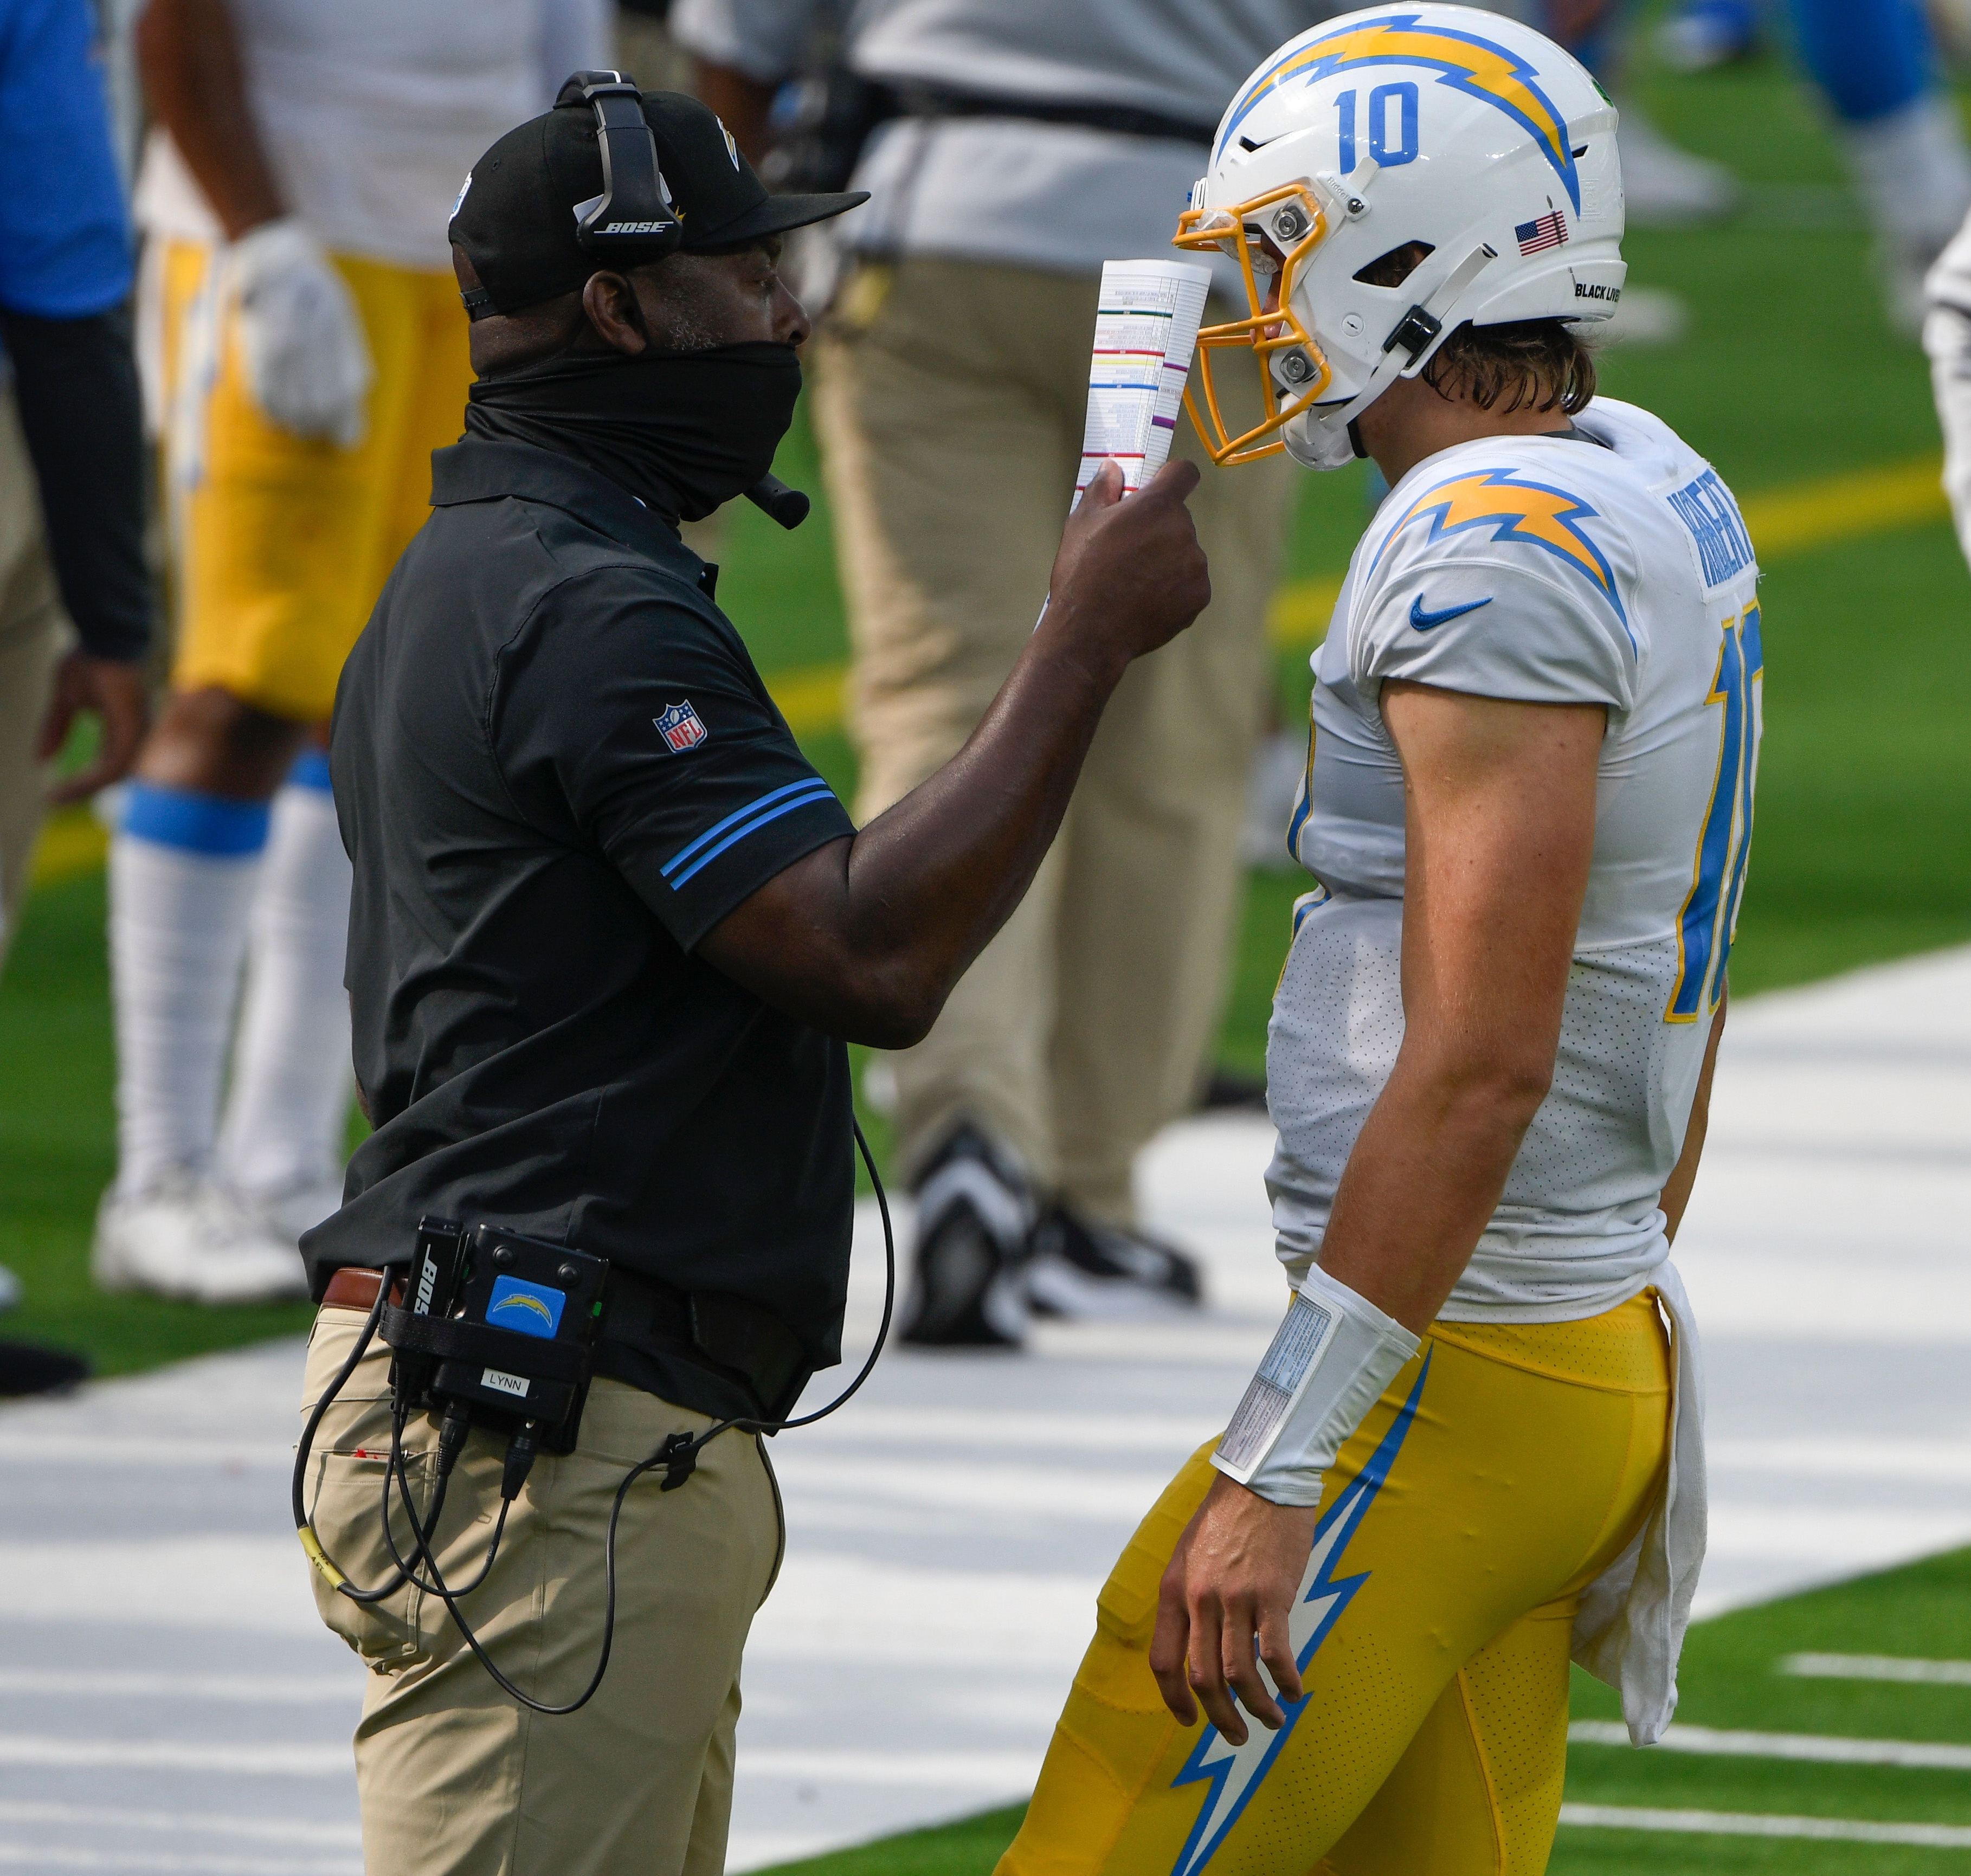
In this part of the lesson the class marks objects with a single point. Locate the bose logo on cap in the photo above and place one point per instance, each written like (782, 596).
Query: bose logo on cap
(633, 227)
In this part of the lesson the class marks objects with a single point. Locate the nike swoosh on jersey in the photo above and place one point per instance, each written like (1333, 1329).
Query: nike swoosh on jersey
(1427, 621)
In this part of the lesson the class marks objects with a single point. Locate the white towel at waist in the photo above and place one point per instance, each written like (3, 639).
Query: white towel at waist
(1630, 1629)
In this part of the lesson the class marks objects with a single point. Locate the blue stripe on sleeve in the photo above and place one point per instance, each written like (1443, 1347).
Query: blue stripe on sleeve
(808, 783)
(817, 791)
(215, 825)
(311, 770)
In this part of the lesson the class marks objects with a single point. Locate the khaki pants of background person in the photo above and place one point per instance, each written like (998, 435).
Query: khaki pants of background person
(949, 398)
(455, 1779)
(32, 627)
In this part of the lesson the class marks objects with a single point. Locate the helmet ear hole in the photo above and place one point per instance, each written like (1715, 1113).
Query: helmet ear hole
(1391, 269)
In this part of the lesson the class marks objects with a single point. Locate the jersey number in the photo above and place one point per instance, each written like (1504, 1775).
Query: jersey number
(1710, 916)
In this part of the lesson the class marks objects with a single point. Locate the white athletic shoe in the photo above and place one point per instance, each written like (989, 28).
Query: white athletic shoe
(1667, 188)
(189, 1237)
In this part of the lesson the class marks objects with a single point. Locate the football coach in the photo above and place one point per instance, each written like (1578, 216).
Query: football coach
(611, 934)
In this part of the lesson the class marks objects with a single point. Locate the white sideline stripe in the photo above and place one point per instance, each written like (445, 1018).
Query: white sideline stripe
(1877, 1668)
(246, 1689)
(1820, 1747)
(1759, 1823)
(169, 1862)
(1010, 1773)
(206, 1823)
(216, 1756)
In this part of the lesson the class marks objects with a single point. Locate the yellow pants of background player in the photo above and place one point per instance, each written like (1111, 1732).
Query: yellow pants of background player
(1506, 1467)
(282, 543)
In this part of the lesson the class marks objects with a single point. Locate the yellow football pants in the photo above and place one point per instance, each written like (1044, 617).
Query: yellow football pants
(1506, 1467)
(281, 543)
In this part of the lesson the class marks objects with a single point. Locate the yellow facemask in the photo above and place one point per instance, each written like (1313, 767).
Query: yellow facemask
(1292, 226)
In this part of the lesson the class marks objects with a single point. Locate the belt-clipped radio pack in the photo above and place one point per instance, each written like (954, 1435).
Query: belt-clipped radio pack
(504, 1323)
(494, 1329)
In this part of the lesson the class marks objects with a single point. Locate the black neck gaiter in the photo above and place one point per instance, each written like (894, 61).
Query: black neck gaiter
(682, 432)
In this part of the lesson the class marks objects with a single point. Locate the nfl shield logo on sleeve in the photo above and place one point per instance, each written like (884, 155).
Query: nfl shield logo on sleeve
(682, 727)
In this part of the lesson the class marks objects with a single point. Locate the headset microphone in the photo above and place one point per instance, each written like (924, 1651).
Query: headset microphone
(788, 506)
(634, 210)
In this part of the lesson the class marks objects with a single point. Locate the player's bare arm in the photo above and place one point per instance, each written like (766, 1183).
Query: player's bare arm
(1500, 833)
(864, 938)
(189, 55)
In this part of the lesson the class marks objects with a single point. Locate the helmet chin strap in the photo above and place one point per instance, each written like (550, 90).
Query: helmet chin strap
(1327, 441)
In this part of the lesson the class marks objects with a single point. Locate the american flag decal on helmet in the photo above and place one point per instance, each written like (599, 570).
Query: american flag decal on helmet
(682, 727)
(1546, 231)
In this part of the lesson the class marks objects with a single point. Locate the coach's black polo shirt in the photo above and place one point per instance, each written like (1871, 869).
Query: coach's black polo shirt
(556, 769)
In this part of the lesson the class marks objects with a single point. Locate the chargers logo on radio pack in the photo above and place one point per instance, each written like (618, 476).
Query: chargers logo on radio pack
(531, 1308)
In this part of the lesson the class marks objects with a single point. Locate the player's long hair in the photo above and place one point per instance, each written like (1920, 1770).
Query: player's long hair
(1534, 364)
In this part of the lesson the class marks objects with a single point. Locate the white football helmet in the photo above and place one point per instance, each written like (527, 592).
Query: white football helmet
(1460, 130)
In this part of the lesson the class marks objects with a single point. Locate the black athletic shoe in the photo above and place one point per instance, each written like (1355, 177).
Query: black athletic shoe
(1106, 1273)
(974, 1214)
(26, 1369)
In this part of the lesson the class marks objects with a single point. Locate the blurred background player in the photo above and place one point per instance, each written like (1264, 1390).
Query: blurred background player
(1012, 149)
(75, 597)
(306, 345)
(1875, 64)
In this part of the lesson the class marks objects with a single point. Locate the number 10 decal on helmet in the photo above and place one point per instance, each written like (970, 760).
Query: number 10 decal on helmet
(1469, 155)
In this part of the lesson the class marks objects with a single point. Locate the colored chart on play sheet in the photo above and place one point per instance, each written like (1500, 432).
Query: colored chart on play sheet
(1145, 331)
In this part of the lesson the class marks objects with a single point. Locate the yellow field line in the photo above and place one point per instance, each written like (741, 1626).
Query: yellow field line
(1782, 521)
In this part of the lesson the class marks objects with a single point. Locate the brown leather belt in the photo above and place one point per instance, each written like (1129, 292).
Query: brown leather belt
(352, 1287)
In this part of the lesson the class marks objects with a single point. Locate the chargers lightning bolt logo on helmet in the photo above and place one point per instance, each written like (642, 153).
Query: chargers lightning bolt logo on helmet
(1468, 62)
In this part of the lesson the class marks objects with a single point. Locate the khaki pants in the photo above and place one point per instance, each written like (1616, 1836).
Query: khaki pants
(31, 628)
(456, 1779)
(950, 397)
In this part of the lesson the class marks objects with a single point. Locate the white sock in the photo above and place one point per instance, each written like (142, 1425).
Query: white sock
(178, 908)
(1912, 171)
(287, 1111)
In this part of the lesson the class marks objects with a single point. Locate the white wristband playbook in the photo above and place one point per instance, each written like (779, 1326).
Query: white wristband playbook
(1329, 1363)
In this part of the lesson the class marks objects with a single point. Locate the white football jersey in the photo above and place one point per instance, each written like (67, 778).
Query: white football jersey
(1607, 567)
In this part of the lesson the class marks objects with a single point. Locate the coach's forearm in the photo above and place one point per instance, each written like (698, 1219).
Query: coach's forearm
(864, 937)
(876, 930)
(1426, 1175)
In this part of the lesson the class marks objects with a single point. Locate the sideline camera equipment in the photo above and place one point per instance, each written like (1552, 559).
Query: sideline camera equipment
(497, 1331)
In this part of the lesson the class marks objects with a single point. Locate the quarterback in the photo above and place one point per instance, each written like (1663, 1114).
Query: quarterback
(1339, 1642)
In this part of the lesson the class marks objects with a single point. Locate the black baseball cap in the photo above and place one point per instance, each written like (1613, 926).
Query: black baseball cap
(516, 217)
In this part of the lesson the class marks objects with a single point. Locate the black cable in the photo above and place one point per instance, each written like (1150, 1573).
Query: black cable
(677, 1455)
(304, 1519)
(426, 1528)
(671, 1455)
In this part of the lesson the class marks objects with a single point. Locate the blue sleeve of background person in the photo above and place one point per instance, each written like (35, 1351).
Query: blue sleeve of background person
(1870, 57)
(65, 251)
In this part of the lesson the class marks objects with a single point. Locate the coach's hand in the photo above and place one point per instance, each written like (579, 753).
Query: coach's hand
(1130, 574)
(1223, 1606)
